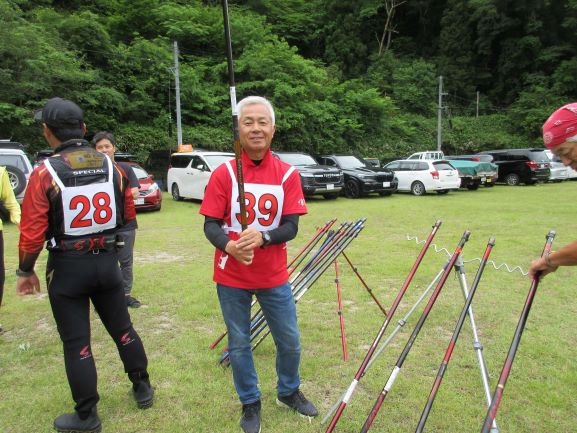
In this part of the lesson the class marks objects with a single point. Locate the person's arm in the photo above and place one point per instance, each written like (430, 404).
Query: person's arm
(9, 199)
(33, 227)
(566, 256)
(216, 235)
(287, 230)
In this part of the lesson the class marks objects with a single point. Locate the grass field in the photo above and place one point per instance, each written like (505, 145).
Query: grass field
(181, 317)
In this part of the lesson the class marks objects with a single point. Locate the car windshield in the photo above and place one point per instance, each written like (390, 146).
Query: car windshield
(350, 161)
(215, 160)
(139, 172)
(297, 159)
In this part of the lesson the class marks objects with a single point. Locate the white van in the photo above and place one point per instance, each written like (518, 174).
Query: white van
(430, 155)
(189, 172)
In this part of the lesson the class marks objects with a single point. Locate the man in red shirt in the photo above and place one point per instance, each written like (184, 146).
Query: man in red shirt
(254, 261)
(76, 201)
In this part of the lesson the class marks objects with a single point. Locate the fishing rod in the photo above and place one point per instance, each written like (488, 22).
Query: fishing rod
(498, 394)
(355, 270)
(400, 324)
(340, 311)
(310, 245)
(416, 330)
(362, 369)
(454, 338)
(235, 129)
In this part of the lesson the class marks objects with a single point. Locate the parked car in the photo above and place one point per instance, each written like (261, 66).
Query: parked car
(18, 166)
(189, 172)
(474, 172)
(149, 194)
(431, 155)
(559, 172)
(516, 166)
(361, 179)
(422, 176)
(157, 164)
(316, 179)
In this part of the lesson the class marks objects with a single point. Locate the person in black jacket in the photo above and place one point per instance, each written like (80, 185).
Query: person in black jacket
(76, 201)
(105, 143)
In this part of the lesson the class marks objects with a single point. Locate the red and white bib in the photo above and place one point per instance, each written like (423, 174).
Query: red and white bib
(87, 209)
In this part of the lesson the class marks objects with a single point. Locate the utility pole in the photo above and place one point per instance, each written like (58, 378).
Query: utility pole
(477, 115)
(440, 114)
(177, 87)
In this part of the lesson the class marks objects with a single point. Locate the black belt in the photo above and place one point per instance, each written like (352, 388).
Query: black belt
(85, 245)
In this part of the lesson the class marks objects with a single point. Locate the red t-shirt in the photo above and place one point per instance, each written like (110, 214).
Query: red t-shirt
(272, 189)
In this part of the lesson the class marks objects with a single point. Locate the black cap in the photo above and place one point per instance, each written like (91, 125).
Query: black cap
(61, 113)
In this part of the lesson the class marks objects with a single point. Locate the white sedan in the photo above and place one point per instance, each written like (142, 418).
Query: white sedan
(420, 176)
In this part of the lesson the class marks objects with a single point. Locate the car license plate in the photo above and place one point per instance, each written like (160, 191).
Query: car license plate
(386, 184)
(489, 180)
(139, 201)
(330, 186)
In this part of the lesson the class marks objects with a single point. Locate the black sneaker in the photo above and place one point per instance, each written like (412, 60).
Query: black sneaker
(299, 403)
(132, 302)
(250, 419)
(143, 394)
(72, 423)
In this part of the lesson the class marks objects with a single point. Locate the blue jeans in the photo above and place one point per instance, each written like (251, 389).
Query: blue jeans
(279, 309)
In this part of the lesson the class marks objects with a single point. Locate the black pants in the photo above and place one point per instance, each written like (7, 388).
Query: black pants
(72, 281)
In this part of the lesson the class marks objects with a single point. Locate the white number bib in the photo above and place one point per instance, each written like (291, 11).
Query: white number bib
(89, 208)
(264, 204)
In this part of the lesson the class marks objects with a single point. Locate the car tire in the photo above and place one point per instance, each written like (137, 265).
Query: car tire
(512, 179)
(473, 187)
(17, 179)
(385, 193)
(331, 196)
(443, 192)
(175, 192)
(417, 188)
(352, 189)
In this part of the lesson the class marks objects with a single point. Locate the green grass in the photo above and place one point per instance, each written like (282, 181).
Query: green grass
(181, 317)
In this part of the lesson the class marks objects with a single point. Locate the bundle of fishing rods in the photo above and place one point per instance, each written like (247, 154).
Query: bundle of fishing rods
(489, 424)
(304, 270)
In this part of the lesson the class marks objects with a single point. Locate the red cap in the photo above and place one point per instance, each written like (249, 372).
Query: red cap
(561, 126)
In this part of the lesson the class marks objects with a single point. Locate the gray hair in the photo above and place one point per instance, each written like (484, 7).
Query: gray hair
(253, 100)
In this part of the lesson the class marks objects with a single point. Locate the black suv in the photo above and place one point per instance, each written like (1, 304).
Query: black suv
(360, 178)
(516, 166)
(315, 178)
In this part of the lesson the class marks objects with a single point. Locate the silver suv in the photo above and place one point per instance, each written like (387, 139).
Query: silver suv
(17, 165)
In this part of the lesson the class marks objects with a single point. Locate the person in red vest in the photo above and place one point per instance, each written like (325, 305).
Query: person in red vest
(253, 262)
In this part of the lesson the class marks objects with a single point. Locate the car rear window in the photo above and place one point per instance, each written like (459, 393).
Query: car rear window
(539, 155)
(15, 160)
(443, 166)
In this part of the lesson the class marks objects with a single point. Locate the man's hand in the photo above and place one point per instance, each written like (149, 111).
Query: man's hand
(540, 266)
(28, 285)
(243, 255)
(251, 238)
